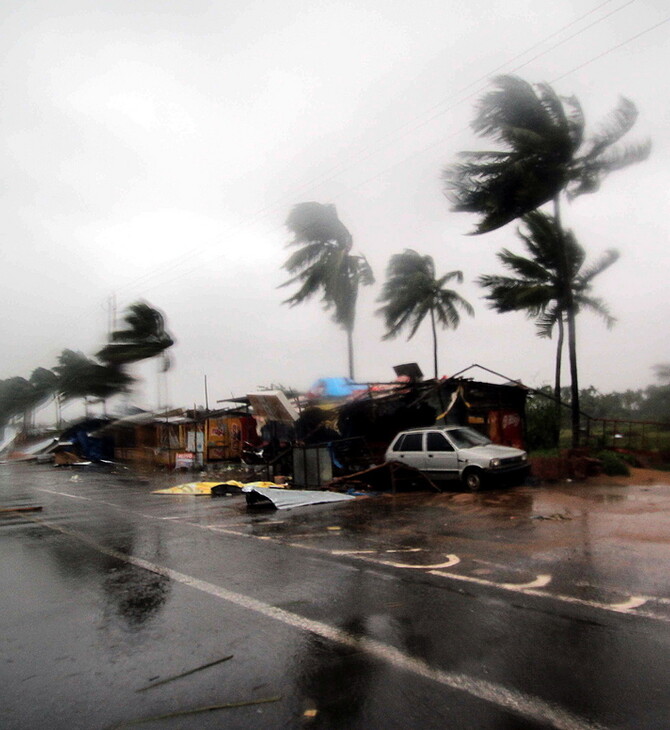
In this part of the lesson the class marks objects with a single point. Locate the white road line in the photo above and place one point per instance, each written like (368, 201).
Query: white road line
(405, 550)
(519, 588)
(524, 588)
(632, 602)
(450, 562)
(65, 494)
(539, 582)
(353, 552)
(511, 700)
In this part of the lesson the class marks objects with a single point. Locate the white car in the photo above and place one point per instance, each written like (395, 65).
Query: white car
(456, 452)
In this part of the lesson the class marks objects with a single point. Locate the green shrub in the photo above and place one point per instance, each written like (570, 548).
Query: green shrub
(541, 424)
(630, 459)
(612, 465)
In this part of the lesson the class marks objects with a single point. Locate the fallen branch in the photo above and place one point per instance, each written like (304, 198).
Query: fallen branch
(3, 510)
(195, 711)
(185, 674)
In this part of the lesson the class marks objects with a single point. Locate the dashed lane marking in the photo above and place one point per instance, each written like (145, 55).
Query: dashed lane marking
(508, 699)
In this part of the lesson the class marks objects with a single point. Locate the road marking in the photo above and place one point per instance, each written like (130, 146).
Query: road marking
(632, 602)
(405, 550)
(353, 552)
(65, 494)
(519, 588)
(539, 582)
(451, 561)
(523, 588)
(511, 700)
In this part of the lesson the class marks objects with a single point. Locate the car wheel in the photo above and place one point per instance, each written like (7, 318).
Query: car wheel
(473, 479)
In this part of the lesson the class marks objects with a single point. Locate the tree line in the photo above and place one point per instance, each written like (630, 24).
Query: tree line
(77, 376)
(542, 158)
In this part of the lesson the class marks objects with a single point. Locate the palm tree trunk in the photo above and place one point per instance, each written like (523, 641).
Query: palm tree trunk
(432, 324)
(572, 332)
(574, 385)
(557, 376)
(350, 350)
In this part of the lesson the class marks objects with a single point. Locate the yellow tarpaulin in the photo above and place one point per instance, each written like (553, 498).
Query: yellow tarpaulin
(205, 488)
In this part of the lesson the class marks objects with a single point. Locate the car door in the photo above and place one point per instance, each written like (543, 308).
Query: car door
(409, 450)
(441, 458)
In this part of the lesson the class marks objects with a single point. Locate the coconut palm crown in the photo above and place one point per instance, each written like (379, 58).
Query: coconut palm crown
(544, 152)
(324, 264)
(144, 337)
(412, 291)
(541, 282)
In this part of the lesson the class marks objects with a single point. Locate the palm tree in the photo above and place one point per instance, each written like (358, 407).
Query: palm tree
(539, 283)
(144, 337)
(662, 371)
(80, 377)
(545, 154)
(16, 398)
(412, 291)
(324, 264)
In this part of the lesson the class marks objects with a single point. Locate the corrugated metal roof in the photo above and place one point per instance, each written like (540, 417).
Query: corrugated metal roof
(290, 498)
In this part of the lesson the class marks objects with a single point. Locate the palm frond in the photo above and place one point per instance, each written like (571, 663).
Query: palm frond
(411, 291)
(546, 322)
(608, 258)
(597, 306)
(541, 136)
(618, 123)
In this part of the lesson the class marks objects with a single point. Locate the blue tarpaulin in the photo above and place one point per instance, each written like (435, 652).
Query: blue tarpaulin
(334, 388)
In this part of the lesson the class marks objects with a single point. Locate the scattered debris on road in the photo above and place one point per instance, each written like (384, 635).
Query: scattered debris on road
(195, 711)
(185, 674)
(258, 496)
(9, 510)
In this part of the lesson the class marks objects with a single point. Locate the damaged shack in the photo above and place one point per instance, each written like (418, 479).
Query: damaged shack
(336, 439)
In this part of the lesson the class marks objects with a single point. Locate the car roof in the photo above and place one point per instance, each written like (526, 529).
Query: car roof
(421, 429)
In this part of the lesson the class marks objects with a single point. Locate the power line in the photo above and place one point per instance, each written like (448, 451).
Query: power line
(613, 48)
(397, 134)
(443, 139)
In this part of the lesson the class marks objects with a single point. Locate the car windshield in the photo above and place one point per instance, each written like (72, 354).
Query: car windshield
(466, 438)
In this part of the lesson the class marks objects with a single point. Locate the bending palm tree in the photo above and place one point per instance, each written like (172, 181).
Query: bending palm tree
(324, 264)
(80, 376)
(411, 292)
(145, 337)
(539, 283)
(545, 153)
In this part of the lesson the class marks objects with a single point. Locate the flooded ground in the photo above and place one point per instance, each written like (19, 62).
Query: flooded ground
(531, 607)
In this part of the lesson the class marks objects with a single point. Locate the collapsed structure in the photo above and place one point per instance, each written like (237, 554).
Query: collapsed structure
(339, 427)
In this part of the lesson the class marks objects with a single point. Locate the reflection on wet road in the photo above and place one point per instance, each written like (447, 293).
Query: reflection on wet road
(520, 609)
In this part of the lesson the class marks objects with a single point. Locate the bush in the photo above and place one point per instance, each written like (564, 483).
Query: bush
(613, 466)
(541, 426)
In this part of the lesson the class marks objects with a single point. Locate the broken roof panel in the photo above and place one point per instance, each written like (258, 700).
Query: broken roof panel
(290, 498)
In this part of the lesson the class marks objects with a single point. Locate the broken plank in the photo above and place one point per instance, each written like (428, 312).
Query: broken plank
(195, 711)
(185, 674)
(4, 510)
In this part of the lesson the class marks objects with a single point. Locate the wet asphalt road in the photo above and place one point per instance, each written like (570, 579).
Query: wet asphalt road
(526, 608)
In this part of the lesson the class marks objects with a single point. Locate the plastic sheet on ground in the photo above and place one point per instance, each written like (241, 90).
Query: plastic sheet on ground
(196, 488)
(289, 498)
(207, 488)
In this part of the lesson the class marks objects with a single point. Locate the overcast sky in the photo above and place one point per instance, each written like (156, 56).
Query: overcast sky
(152, 149)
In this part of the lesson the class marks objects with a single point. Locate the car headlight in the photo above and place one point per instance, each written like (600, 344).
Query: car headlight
(524, 456)
(494, 463)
